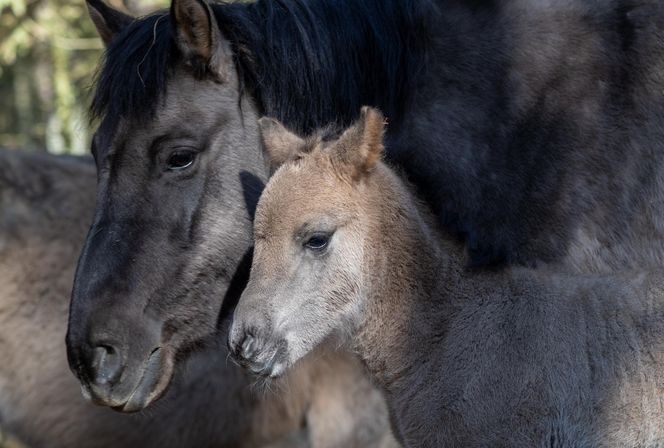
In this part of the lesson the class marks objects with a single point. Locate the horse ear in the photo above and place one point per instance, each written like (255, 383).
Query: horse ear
(281, 145)
(107, 20)
(198, 37)
(360, 147)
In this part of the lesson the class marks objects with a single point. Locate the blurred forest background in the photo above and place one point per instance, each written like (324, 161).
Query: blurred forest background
(49, 52)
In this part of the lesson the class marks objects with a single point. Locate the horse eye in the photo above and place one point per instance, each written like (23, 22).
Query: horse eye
(180, 160)
(317, 242)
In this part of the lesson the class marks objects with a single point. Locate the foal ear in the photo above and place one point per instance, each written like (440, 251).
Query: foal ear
(107, 20)
(360, 147)
(198, 37)
(281, 145)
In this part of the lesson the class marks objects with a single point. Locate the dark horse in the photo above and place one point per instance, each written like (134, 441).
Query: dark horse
(534, 129)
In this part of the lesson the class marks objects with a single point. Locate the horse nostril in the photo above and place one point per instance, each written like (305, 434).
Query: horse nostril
(248, 346)
(106, 364)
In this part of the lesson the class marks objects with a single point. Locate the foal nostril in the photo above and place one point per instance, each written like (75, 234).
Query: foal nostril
(248, 346)
(106, 364)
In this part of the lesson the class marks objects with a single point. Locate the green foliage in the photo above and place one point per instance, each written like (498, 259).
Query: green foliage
(48, 54)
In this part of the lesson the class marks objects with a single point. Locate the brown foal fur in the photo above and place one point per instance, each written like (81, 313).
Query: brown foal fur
(515, 357)
(46, 203)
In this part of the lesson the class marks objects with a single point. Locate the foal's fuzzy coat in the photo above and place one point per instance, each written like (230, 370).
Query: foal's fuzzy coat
(513, 358)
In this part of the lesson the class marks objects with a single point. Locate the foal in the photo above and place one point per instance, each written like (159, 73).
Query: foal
(511, 358)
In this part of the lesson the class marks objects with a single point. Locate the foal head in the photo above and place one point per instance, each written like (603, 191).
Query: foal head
(311, 229)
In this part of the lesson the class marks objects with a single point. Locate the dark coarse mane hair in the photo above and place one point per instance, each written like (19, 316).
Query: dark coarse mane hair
(306, 62)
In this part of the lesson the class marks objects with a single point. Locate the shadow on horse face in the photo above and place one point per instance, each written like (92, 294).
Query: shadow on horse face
(172, 226)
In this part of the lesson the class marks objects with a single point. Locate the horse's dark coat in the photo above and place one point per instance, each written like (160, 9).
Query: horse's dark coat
(510, 130)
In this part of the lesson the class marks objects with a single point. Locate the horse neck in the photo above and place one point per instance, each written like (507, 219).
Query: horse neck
(415, 274)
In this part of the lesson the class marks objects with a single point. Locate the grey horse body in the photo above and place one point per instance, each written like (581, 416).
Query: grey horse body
(520, 358)
(527, 360)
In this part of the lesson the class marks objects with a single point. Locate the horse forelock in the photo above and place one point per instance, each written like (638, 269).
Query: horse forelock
(308, 63)
(135, 70)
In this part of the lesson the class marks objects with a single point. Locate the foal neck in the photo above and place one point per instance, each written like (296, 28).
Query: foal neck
(415, 277)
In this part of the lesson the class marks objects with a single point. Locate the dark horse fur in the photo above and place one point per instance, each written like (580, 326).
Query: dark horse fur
(533, 129)
(541, 114)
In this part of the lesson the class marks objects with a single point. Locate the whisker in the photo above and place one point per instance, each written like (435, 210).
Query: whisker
(154, 39)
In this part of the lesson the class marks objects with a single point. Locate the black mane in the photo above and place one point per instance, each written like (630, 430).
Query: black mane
(308, 63)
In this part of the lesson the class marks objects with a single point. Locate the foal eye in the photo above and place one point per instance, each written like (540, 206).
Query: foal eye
(317, 242)
(180, 160)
